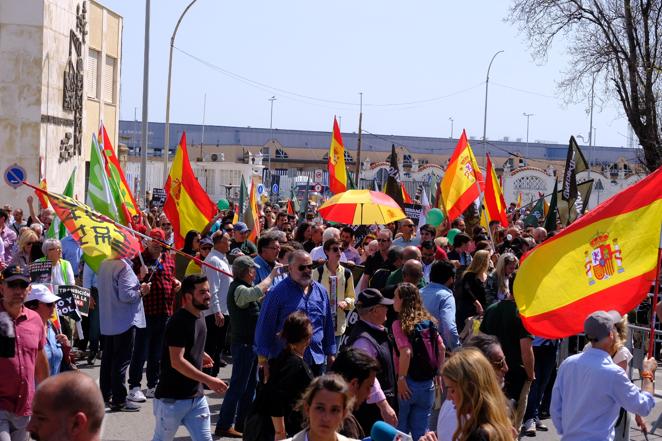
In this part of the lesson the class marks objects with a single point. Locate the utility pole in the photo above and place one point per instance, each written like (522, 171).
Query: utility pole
(487, 84)
(528, 116)
(204, 112)
(591, 136)
(271, 128)
(450, 118)
(358, 143)
(143, 151)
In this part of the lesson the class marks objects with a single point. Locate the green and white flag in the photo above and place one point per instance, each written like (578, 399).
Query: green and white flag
(99, 193)
(57, 230)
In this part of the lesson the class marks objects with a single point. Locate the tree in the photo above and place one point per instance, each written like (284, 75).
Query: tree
(615, 42)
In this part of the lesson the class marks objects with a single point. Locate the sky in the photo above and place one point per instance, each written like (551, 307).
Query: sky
(418, 64)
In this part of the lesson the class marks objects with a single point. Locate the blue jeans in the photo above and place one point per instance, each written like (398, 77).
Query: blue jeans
(240, 394)
(148, 347)
(192, 413)
(545, 363)
(414, 413)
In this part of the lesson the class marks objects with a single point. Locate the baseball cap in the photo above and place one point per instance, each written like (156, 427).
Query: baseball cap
(16, 272)
(206, 241)
(241, 227)
(371, 297)
(157, 233)
(241, 263)
(41, 292)
(599, 324)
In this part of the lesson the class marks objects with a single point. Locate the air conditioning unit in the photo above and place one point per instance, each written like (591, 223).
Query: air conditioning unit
(217, 157)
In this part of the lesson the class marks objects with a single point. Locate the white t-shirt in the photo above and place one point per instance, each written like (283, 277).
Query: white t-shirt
(447, 421)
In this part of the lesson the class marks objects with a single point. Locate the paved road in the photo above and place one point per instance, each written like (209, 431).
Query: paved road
(139, 426)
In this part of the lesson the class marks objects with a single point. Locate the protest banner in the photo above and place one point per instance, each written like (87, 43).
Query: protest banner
(158, 197)
(40, 272)
(67, 306)
(413, 212)
(81, 296)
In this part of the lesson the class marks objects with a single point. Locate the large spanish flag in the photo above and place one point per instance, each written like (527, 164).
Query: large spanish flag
(251, 216)
(495, 204)
(336, 162)
(604, 260)
(126, 203)
(187, 205)
(458, 187)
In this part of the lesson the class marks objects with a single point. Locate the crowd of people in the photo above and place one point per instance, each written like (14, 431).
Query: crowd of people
(328, 328)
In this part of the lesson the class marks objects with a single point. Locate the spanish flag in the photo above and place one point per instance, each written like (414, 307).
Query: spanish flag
(336, 162)
(519, 200)
(604, 260)
(405, 196)
(495, 204)
(251, 215)
(187, 205)
(458, 186)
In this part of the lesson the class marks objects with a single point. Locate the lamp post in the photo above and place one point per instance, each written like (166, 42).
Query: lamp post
(166, 138)
(487, 84)
(528, 116)
(271, 129)
(450, 118)
(143, 150)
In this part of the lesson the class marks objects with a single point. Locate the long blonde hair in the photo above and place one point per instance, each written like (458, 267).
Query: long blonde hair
(481, 403)
(502, 279)
(412, 310)
(480, 262)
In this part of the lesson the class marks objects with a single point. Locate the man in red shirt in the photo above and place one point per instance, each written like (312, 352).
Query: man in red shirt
(26, 362)
(158, 304)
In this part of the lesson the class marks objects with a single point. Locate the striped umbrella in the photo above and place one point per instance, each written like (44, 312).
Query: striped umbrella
(361, 207)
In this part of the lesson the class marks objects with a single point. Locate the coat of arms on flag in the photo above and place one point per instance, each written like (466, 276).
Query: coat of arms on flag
(603, 258)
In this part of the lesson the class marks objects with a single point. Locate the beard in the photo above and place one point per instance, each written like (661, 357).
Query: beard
(59, 435)
(200, 306)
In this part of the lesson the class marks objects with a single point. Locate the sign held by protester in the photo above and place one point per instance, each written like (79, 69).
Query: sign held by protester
(40, 272)
(67, 305)
(413, 212)
(80, 295)
(158, 197)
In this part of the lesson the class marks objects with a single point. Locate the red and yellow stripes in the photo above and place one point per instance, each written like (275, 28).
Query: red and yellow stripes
(336, 162)
(605, 260)
(495, 204)
(187, 205)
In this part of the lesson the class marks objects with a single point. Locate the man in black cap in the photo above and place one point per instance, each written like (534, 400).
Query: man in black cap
(23, 361)
(590, 388)
(370, 335)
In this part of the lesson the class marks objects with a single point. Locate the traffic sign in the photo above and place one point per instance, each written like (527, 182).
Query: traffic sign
(274, 189)
(15, 175)
(260, 189)
(317, 188)
(318, 176)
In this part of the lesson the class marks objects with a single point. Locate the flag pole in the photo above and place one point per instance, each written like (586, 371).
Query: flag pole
(656, 291)
(105, 218)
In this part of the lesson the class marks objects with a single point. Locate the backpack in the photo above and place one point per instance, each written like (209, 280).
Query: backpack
(422, 367)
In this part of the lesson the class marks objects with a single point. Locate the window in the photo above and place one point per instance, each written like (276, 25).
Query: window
(109, 80)
(93, 73)
(280, 154)
(407, 161)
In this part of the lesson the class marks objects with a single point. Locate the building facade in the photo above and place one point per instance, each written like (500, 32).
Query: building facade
(59, 78)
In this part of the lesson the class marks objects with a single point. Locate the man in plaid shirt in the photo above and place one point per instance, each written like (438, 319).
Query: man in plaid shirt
(158, 304)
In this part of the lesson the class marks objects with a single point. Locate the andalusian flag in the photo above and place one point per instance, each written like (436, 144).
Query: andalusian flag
(187, 205)
(99, 193)
(458, 187)
(495, 204)
(251, 215)
(536, 215)
(98, 238)
(604, 260)
(57, 230)
(124, 200)
(336, 162)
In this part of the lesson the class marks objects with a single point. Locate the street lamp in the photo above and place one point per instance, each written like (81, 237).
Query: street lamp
(450, 118)
(487, 83)
(271, 128)
(166, 138)
(528, 116)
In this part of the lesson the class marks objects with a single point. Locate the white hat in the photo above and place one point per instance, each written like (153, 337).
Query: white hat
(42, 293)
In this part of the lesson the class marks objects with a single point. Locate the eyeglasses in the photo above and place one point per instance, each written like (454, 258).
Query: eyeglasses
(335, 249)
(302, 268)
(383, 240)
(55, 249)
(499, 364)
(18, 284)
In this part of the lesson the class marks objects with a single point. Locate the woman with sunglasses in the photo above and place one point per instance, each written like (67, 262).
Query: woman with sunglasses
(25, 243)
(339, 284)
(206, 245)
(42, 301)
(191, 247)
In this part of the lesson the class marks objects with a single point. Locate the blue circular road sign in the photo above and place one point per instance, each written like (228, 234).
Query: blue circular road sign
(15, 175)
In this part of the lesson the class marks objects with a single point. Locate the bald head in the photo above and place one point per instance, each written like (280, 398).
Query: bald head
(412, 271)
(67, 406)
(411, 252)
(539, 234)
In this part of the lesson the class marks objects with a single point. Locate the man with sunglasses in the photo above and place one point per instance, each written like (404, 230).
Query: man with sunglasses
(377, 260)
(408, 231)
(26, 363)
(297, 292)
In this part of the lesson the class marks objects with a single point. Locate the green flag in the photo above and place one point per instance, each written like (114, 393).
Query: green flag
(550, 220)
(243, 199)
(57, 230)
(537, 213)
(350, 182)
(99, 191)
(295, 201)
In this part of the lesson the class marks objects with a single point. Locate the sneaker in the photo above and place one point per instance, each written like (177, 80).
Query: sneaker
(136, 395)
(91, 357)
(229, 433)
(128, 406)
(149, 393)
(529, 428)
(541, 426)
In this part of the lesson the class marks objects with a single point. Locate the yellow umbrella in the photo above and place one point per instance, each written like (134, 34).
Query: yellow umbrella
(361, 207)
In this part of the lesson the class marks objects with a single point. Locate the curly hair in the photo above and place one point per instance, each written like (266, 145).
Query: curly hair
(412, 310)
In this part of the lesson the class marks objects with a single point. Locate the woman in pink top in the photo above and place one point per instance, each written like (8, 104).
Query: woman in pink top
(418, 357)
